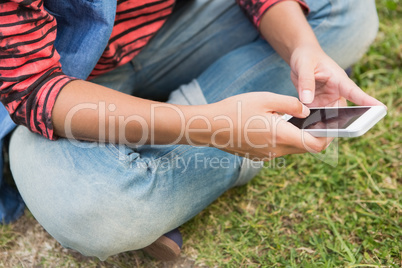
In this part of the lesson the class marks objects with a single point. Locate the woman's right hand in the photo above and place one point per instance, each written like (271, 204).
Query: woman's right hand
(249, 125)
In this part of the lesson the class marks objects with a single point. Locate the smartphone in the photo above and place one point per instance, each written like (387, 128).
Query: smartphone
(351, 121)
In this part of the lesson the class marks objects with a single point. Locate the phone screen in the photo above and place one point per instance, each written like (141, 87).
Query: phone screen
(330, 118)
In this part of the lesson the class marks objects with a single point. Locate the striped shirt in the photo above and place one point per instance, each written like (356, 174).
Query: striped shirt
(31, 75)
(135, 24)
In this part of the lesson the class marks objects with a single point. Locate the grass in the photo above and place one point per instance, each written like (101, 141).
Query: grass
(306, 214)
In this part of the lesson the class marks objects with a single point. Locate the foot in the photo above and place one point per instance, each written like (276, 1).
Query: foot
(167, 247)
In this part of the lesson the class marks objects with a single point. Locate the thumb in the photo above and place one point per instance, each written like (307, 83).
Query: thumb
(288, 105)
(306, 82)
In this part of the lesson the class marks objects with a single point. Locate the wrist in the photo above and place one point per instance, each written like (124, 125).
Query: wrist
(208, 125)
(182, 124)
(285, 27)
(312, 50)
(199, 124)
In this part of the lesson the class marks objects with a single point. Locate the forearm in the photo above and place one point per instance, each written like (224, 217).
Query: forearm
(285, 27)
(245, 124)
(88, 111)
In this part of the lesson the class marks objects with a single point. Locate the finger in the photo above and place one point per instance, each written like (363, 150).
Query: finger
(299, 141)
(288, 105)
(352, 92)
(306, 82)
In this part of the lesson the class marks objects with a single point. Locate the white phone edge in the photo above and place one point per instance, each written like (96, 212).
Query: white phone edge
(356, 129)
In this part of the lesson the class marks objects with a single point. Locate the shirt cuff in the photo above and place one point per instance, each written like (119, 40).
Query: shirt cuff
(41, 117)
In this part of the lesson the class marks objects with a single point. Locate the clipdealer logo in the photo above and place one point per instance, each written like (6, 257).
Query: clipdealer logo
(238, 136)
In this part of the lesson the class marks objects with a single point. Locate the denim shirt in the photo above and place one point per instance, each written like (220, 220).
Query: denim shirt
(83, 31)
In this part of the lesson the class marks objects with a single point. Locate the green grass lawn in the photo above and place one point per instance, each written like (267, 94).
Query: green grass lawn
(305, 214)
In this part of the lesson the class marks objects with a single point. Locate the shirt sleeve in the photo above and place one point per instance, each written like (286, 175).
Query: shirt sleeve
(254, 9)
(30, 72)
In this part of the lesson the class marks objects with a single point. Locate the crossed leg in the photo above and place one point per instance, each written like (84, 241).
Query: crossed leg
(102, 199)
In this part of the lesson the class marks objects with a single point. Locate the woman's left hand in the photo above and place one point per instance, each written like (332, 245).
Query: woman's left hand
(320, 81)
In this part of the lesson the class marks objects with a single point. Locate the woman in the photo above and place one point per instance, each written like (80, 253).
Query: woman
(135, 167)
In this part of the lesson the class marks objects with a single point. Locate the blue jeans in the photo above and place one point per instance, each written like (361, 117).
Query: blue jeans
(102, 199)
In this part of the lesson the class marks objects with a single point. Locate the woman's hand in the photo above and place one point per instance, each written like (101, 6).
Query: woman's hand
(321, 82)
(249, 125)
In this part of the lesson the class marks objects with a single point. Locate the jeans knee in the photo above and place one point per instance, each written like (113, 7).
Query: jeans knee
(105, 235)
(364, 21)
(348, 30)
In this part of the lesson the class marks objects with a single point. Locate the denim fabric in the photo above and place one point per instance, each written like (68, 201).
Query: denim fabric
(102, 199)
(11, 204)
(83, 30)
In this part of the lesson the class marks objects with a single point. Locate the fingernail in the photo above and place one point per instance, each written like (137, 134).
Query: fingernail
(307, 96)
(305, 111)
